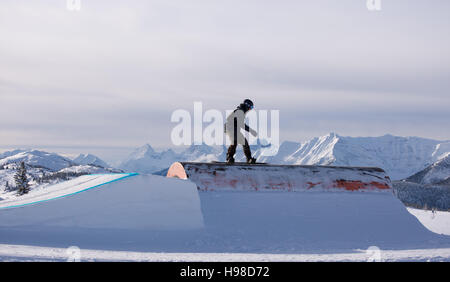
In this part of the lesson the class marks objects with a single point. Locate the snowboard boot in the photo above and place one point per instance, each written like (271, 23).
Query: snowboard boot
(248, 153)
(230, 154)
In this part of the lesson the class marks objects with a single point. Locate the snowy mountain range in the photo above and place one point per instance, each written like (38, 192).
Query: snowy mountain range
(401, 157)
(49, 161)
(146, 160)
(437, 173)
(35, 158)
(45, 166)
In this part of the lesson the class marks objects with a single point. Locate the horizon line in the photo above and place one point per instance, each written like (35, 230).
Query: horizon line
(28, 146)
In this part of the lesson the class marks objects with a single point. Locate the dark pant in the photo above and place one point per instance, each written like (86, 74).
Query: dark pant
(232, 149)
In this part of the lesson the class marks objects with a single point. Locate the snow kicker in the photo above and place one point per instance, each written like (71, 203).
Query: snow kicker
(265, 177)
(144, 202)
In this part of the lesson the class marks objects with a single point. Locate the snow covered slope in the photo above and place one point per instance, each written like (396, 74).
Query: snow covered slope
(34, 253)
(438, 172)
(40, 178)
(436, 221)
(153, 213)
(44, 168)
(105, 202)
(62, 189)
(36, 158)
(300, 221)
(88, 169)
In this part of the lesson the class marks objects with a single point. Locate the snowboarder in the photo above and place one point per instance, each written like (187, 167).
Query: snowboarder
(233, 126)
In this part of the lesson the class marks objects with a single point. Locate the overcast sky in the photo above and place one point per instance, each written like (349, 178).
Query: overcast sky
(111, 74)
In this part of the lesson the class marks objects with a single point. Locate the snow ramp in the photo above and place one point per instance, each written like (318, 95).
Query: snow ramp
(158, 214)
(286, 207)
(108, 201)
(62, 189)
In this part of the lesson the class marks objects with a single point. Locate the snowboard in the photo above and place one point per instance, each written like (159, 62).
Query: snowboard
(238, 163)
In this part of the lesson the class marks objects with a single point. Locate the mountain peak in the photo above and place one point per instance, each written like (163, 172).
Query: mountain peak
(399, 156)
(147, 147)
(51, 161)
(433, 174)
(445, 161)
(330, 137)
(89, 159)
(143, 151)
(333, 135)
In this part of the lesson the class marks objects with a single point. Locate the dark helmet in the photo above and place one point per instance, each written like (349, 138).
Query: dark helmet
(248, 104)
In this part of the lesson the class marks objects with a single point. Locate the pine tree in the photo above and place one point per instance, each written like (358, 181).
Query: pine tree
(21, 179)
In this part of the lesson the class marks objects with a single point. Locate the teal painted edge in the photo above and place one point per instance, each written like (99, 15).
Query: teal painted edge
(66, 195)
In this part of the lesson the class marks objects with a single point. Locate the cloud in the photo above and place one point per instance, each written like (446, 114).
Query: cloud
(111, 74)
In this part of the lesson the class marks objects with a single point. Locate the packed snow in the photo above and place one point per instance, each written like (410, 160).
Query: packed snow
(153, 218)
(44, 169)
(436, 221)
(73, 253)
(121, 201)
(140, 216)
(49, 192)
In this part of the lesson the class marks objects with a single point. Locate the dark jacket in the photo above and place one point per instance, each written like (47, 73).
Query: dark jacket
(233, 119)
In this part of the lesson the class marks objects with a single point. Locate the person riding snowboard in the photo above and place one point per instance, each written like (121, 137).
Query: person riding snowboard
(233, 126)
